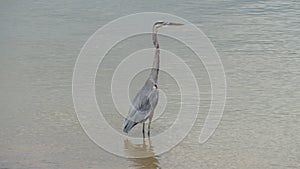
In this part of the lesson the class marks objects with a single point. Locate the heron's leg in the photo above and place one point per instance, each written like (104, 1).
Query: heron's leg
(143, 130)
(149, 129)
(150, 119)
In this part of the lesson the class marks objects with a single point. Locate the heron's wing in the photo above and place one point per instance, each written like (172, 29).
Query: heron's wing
(139, 109)
(143, 104)
(153, 99)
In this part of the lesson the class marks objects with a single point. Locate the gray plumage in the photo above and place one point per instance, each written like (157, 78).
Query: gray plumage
(142, 106)
(145, 101)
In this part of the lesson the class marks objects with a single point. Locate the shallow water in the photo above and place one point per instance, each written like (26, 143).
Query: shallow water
(258, 42)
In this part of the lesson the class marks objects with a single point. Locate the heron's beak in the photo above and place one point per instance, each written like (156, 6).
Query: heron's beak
(174, 24)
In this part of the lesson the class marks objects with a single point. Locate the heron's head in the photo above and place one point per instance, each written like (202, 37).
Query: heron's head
(160, 24)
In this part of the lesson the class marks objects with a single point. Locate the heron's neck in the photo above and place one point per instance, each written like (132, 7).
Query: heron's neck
(155, 68)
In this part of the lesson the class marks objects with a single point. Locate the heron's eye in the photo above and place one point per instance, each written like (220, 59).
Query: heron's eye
(155, 86)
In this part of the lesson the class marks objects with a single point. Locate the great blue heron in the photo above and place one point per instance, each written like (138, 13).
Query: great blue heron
(144, 103)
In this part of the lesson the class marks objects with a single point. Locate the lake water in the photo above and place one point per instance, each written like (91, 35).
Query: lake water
(258, 43)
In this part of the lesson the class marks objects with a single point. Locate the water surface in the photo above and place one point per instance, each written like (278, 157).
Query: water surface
(258, 42)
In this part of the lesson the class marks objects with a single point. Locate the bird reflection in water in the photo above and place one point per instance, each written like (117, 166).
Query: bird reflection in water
(145, 149)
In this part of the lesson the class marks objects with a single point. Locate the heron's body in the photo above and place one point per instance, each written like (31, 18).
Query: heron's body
(145, 101)
(143, 106)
